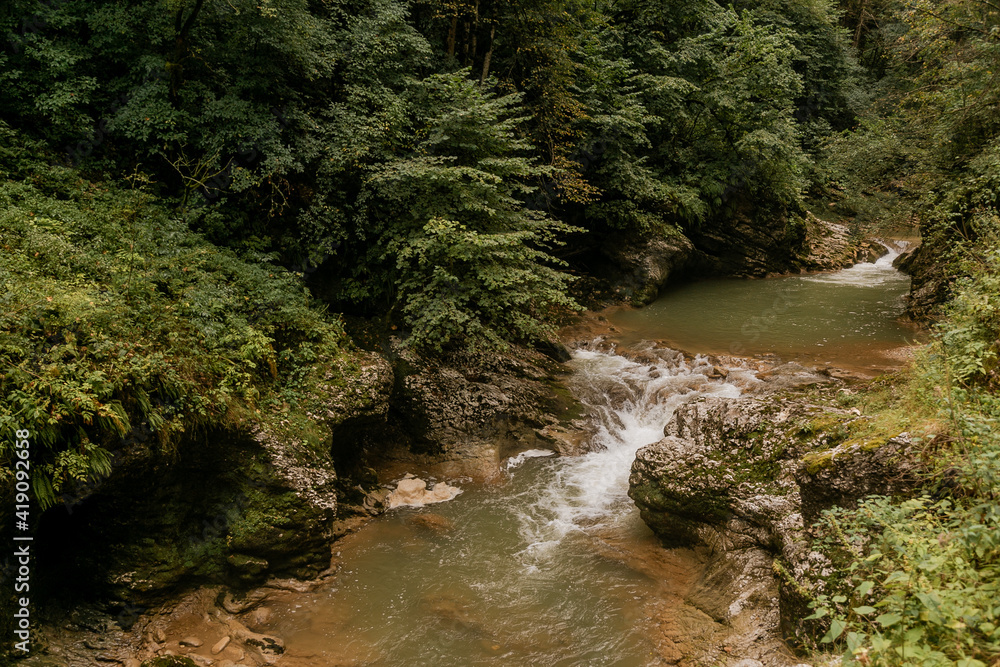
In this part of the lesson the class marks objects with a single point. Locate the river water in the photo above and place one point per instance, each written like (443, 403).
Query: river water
(846, 318)
(552, 565)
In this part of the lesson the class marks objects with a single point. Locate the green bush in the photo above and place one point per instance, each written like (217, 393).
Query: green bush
(118, 322)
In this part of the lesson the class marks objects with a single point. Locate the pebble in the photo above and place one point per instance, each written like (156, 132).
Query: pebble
(221, 645)
(194, 642)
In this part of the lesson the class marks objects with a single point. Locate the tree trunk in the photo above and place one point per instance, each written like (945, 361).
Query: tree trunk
(489, 52)
(465, 43)
(471, 47)
(182, 28)
(451, 36)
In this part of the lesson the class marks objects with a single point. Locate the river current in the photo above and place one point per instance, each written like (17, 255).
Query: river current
(552, 565)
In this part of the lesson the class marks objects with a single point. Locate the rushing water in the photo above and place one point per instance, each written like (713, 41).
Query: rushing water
(848, 317)
(543, 569)
(553, 566)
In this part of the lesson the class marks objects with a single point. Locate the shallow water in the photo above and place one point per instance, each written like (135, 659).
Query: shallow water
(849, 317)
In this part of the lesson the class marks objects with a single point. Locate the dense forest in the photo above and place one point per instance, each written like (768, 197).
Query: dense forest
(196, 195)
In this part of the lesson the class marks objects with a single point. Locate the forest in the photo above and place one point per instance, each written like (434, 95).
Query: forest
(202, 201)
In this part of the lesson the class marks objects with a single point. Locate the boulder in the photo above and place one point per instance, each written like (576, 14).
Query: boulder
(641, 267)
(746, 477)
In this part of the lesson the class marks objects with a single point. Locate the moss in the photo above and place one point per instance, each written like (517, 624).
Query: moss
(816, 461)
(820, 425)
(565, 406)
(170, 661)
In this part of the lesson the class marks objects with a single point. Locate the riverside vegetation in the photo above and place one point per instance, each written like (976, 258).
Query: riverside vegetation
(194, 190)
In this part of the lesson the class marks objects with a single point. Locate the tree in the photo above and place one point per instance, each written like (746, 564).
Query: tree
(438, 224)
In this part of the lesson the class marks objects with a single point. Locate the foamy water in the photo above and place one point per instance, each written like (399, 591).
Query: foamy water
(868, 274)
(631, 403)
(522, 573)
(552, 567)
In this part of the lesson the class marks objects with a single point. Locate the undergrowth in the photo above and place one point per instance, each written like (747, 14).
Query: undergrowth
(120, 326)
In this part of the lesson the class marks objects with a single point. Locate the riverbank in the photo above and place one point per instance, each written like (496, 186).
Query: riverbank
(460, 422)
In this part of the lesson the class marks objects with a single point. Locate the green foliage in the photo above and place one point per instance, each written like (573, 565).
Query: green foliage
(969, 336)
(724, 96)
(118, 322)
(918, 581)
(437, 194)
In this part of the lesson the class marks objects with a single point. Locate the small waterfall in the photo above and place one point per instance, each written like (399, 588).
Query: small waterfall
(630, 403)
(868, 274)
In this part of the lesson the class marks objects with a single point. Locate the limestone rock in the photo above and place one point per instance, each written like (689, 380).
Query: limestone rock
(642, 267)
(844, 474)
(238, 604)
(463, 414)
(744, 477)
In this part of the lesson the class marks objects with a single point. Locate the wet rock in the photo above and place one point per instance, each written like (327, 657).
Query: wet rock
(415, 492)
(230, 505)
(170, 661)
(293, 585)
(240, 603)
(462, 414)
(717, 467)
(267, 646)
(259, 617)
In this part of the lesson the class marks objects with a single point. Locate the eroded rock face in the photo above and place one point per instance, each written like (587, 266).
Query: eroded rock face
(642, 267)
(465, 414)
(722, 468)
(843, 475)
(930, 280)
(227, 506)
(746, 477)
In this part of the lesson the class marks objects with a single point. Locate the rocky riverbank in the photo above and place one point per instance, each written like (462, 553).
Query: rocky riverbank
(744, 479)
(633, 270)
